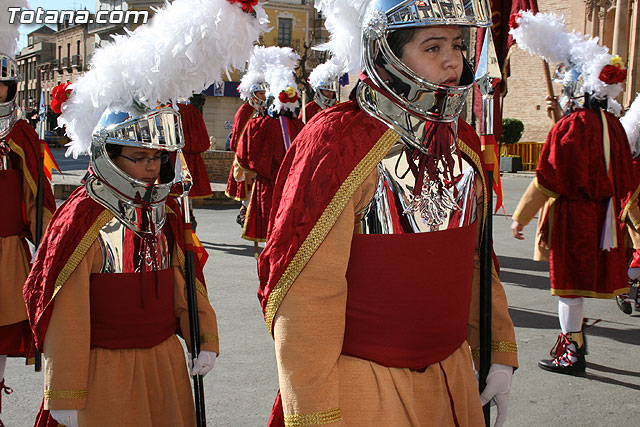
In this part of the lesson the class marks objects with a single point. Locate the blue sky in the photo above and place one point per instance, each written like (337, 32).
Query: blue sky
(53, 5)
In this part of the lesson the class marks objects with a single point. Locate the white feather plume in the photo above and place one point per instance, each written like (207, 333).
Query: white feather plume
(254, 74)
(545, 35)
(325, 73)
(183, 50)
(9, 33)
(278, 65)
(631, 124)
(343, 19)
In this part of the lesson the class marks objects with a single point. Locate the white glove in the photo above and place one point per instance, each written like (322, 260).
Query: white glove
(497, 390)
(66, 417)
(203, 364)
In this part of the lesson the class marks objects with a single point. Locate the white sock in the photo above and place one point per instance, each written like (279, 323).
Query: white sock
(3, 363)
(570, 313)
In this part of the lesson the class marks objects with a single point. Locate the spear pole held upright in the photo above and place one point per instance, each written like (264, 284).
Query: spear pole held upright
(487, 78)
(183, 177)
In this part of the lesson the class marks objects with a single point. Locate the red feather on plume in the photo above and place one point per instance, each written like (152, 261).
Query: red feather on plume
(247, 5)
(59, 95)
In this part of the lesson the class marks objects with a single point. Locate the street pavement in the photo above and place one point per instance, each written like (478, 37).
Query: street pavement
(241, 388)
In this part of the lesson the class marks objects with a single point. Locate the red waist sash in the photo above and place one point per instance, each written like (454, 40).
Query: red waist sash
(11, 221)
(132, 310)
(408, 296)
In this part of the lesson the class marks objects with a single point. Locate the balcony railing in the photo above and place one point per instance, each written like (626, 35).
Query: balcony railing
(66, 62)
(76, 61)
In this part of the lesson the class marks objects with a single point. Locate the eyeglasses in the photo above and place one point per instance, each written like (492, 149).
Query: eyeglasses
(145, 161)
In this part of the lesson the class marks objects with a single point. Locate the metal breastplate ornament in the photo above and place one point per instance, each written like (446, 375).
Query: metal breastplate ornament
(125, 251)
(395, 209)
(5, 164)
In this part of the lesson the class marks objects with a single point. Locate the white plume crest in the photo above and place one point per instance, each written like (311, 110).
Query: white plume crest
(278, 65)
(325, 73)
(185, 48)
(545, 35)
(9, 33)
(343, 19)
(254, 74)
(631, 124)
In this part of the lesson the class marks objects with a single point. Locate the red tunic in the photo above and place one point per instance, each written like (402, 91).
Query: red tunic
(572, 166)
(327, 163)
(311, 109)
(196, 142)
(238, 190)
(25, 154)
(261, 149)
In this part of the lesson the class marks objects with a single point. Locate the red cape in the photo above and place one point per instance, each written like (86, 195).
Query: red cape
(323, 168)
(238, 190)
(261, 149)
(572, 166)
(311, 109)
(71, 232)
(24, 142)
(196, 141)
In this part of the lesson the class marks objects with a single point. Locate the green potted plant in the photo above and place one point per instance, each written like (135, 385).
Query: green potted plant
(511, 133)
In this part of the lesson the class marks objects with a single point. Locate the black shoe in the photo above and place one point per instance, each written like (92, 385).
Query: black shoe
(577, 368)
(624, 304)
(566, 360)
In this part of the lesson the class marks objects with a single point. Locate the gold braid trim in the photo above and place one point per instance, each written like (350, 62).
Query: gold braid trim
(204, 338)
(497, 347)
(80, 251)
(317, 418)
(546, 191)
(326, 221)
(636, 224)
(475, 158)
(27, 175)
(246, 217)
(591, 294)
(64, 394)
(632, 201)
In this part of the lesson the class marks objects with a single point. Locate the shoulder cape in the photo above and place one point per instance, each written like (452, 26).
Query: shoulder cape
(71, 232)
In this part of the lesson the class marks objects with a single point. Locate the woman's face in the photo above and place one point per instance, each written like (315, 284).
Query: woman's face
(435, 53)
(4, 89)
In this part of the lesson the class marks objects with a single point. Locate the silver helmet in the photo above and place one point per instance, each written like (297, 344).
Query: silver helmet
(8, 106)
(259, 104)
(410, 100)
(138, 204)
(322, 100)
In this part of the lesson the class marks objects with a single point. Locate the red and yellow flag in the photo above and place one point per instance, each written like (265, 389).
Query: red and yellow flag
(49, 161)
(199, 250)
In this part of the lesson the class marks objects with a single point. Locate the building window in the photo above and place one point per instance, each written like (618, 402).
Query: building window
(284, 31)
(68, 50)
(78, 47)
(60, 54)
